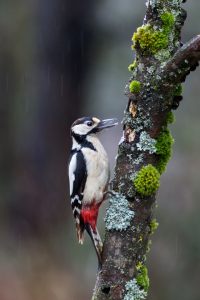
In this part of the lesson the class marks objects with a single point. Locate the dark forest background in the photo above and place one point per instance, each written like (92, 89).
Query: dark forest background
(61, 60)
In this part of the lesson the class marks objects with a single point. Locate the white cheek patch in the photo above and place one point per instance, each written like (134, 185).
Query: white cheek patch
(81, 129)
(72, 168)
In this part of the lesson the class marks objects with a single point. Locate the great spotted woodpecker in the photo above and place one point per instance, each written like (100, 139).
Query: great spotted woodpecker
(89, 174)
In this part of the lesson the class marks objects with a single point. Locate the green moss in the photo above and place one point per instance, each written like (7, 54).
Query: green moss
(148, 243)
(178, 90)
(177, 32)
(163, 145)
(152, 226)
(170, 118)
(149, 39)
(147, 181)
(168, 21)
(135, 86)
(143, 279)
(132, 66)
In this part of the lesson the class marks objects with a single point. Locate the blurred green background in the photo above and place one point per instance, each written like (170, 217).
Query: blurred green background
(61, 60)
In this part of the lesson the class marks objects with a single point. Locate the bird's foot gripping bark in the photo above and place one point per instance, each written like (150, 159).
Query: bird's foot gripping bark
(109, 192)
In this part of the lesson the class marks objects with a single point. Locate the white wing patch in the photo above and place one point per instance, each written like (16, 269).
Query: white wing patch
(72, 168)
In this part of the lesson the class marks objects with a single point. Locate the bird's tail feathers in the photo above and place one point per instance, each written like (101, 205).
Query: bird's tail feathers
(96, 240)
(80, 230)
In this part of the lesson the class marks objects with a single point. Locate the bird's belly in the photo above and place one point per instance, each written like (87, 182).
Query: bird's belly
(94, 188)
(97, 179)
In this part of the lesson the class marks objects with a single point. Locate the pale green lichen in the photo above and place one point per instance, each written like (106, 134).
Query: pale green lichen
(146, 143)
(138, 160)
(134, 291)
(172, 3)
(154, 3)
(118, 215)
(137, 123)
(151, 70)
(133, 176)
(162, 55)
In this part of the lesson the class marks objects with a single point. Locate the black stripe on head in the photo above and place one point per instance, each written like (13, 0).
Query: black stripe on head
(94, 130)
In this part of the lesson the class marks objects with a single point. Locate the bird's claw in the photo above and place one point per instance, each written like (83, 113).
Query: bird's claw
(111, 192)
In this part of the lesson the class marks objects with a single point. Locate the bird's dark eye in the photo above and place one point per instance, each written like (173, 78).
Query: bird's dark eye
(89, 123)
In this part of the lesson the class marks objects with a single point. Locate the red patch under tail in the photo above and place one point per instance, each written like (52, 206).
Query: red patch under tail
(90, 214)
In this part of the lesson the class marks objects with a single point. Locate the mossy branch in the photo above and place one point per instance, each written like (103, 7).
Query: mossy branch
(154, 89)
(183, 60)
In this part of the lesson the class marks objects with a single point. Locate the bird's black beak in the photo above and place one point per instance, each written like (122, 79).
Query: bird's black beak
(104, 124)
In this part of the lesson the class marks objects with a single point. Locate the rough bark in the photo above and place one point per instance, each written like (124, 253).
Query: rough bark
(146, 114)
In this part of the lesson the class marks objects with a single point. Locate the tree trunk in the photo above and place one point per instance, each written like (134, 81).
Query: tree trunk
(154, 89)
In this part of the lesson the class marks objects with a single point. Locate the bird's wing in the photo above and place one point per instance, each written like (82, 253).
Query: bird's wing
(77, 179)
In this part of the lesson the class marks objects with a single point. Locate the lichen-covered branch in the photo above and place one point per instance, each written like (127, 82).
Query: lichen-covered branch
(154, 90)
(183, 61)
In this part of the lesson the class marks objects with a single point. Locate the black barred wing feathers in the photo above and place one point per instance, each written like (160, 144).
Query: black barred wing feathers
(77, 179)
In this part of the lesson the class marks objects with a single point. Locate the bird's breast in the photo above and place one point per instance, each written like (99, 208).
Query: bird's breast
(98, 174)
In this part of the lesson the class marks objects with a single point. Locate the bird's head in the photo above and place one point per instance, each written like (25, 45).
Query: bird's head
(90, 126)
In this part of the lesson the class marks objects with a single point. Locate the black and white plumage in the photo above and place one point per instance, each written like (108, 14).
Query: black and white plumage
(89, 174)
(77, 177)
